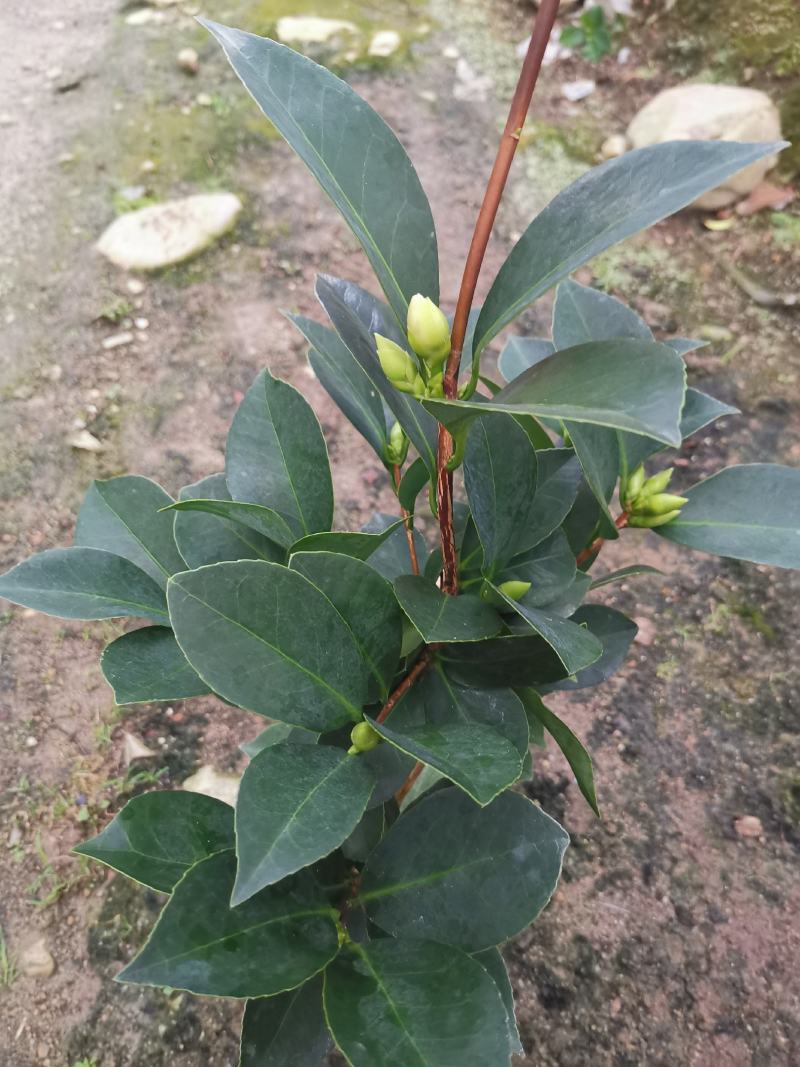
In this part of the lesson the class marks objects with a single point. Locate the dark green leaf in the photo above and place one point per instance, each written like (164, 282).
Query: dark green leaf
(275, 941)
(296, 804)
(266, 639)
(699, 409)
(568, 601)
(500, 480)
(414, 480)
(263, 520)
(157, 837)
(597, 450)
(147, 665)
(390, 767)
(625, 385)
(288, 1030)
(352, 153)
(344, 379)
(623, 573)
(549, 567)
(420, 881)
(582, 314)
(556, 488)
(276, 456)
(476, 738)
(615, 630)
(440, 617)
(123, 515)
(574, 646)
(574, 752)
(682, 345)
(393, 558)
(750, 512)
(582, 523)
(492, 961)
(414, 1004)
(203, 539)
(366, 603)
(83, 583)
(611, 202)
(519, 353)
(358, 545)
(276, 733)
(366, 835)
(516, 659)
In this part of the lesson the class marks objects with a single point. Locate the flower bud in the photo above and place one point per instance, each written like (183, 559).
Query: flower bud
(397, 448)
(513, 589)
(397, 365)
(436, 385)
(649, 522)
(428, 330)
(635, 483)
(659, 504)
(364, 737)
(657, 484)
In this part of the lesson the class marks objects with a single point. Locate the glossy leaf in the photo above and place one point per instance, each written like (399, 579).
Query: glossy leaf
(366, 603)
(549, 567)
(203, 538)
(344, 379)
(414, 1004)
(598, 453)
(574, 646)
(476, 738)
(604, 206)
(288, 1030)
(492, 961)
(420, 882)
(414, 480)
(157, 837)
(366, 834)
(123, 515)
(582, 314)
(750, 512)
(275, 734)
(699, 410)
(352, 153)
(440, 617)
(296, 804)
(615, 630)
(266, 639)
(515, 659)
(274, 942)
(357, 544)
(263, 520)
(500, 480)
(626, 385)
(276, 456)
(574, 752)
(392, 558)
(147, 665)
(83, 583)
(519, 353)
(557, 483)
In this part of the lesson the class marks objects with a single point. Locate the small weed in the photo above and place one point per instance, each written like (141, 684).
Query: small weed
(8, 964)
(592, 35)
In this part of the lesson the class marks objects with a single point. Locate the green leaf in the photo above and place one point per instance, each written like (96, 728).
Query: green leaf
(148, 665)
(358, 316)
(123, 515)
(625, 385)
(414, 480)
(370, 829)
(352, 153)
(366, 603)
(556, 488)
(598, 453)
(476, 738)
(265, 638)
(574, 752)
(263, 520)
(623, 573)
(296, 804)
(611, 202)
(492, 961)
(275, 941)
(390, 767)
(83, 583)
(157, 837)
(699, 409)
(204, 539)
(344, 379)
(519, 353)
(574, 646)
(358, 545)
(750, 512)
(276, 456)
(440, 617)
(500, 480)
(288, 1030)
(392, 558)
(516, 659)
(615, 630)
(414, 1004)
(276, 733)
(549, 567)
(582, 314)
(420, 881)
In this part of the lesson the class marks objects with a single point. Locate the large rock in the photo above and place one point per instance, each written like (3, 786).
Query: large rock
(169, 233)
(713, 113)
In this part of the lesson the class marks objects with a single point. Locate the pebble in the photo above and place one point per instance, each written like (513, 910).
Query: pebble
(613, 146)
(578, 90)
(144, 16)
(709, 332)
(204, 100)
(31, 742)
(35, 961)
(311, 29)
(188, 61)
(384, 43)
(141, 324)
(135, 286)
(214, 783)
(748, 826)
(117, 340)
(84, 441)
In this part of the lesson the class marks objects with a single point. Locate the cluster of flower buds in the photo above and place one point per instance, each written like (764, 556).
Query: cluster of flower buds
(397, 447)
(429, 336)
(363, 738)
(645, 501)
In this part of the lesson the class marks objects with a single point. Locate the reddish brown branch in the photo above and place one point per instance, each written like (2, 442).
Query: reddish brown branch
(409, 525)
(404, 789)
(518, 110)
(620, 522)
(404, 686)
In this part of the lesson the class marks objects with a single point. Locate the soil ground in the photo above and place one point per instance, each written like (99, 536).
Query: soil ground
(672, 939)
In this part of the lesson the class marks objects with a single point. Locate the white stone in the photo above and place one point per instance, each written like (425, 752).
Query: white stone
(35, 961)
(213, 783)
(144, 16)
(578, 90)
(188, 60)
(613, 146)
(134, 748)
(713, 113)
(158, 236)
(118, 340)
(84, 441)
(311, 29)
(385, 43)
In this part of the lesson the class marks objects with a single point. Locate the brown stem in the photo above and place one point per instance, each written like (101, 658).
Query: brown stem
(518, 110)
(620, 522)
(409, 526)
(404, 686)
(401, 793)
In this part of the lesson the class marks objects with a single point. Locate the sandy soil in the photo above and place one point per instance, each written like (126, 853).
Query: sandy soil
(673, 939)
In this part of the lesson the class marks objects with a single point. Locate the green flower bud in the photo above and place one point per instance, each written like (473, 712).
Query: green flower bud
(364, 737)
(428, 330)
(436, 385)
(649, 522)
(397, 365)
(657, 484)
(635, 483)
(659, 504)
(513, 589)
(397, 449)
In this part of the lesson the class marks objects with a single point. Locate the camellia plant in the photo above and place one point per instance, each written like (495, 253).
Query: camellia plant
(383, 846)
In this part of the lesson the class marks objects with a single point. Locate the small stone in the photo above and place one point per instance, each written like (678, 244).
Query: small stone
(646, 634)
(118, 340)
(188, 61)
(384, 43)
(31, 742)
(35, 961)
(147, 166)
(133, 748)
(204, 100)
(748, 826)
(312, 29)
(135, 286)
(84, 441)
(15, 837)
(613, 146)
(144, 16)
(213, 783)
(141, 324)
(450, 52)
(709, 332)
(42, 1051)
(54, 372)
(578, 90)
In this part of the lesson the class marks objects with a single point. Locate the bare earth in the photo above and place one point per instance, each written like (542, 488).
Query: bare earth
(673, 939)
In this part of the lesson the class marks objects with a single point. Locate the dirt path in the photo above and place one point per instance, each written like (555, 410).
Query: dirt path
(673, 939)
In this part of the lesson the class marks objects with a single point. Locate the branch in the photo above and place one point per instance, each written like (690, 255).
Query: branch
(409, 525)
(518, 110)
(620, 522)
(404, 686)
